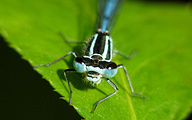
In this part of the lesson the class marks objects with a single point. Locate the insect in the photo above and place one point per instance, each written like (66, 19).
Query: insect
(97, 62)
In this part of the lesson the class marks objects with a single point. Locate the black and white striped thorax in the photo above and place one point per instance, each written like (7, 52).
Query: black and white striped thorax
(96, 62)
(100, 46)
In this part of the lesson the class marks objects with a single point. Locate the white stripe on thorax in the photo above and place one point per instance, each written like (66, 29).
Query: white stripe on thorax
(93, 44)
(105, 48)
(111, 44)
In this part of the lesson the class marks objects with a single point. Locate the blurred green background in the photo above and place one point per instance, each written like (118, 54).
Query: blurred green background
(24, 95)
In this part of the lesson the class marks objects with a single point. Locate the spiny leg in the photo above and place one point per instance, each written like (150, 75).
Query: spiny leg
(65, 74)
(116, 90)
(69, 41)
(122, 66)
(75, 54)
(124, 55)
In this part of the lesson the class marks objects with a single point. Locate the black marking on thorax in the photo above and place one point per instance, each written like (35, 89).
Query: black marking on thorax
(92, 62)
(98, 44)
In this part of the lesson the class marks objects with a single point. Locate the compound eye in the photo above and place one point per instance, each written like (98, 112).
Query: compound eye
(111, 65)
(110, 70)
(79, 60)
(79, 65)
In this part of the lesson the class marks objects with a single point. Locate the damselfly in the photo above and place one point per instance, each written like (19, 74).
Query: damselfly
(96, 63)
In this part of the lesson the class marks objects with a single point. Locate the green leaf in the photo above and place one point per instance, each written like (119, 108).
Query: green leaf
(160, 70)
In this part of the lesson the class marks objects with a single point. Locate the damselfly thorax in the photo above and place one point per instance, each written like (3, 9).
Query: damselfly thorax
(100, 46)
(97, 60)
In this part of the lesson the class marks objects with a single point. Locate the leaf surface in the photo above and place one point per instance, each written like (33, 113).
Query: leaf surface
(160, 70)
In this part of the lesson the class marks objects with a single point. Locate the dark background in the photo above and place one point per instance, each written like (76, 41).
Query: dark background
(24, 95)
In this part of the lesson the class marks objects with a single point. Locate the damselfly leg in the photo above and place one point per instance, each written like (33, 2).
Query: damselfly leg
(46, 65)
(132, 91)
(114, 87)
(124, 55)
(70, 41)
(65, 74)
